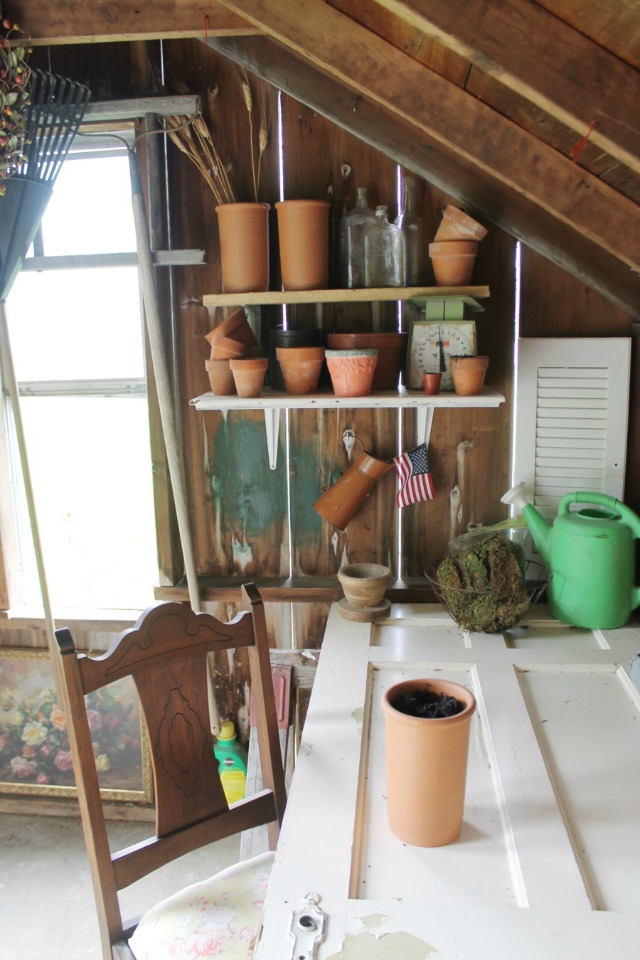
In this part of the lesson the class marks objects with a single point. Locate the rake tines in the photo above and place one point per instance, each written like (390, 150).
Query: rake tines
(55, 113)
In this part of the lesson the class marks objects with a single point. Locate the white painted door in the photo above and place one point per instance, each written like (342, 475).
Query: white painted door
(548, 861)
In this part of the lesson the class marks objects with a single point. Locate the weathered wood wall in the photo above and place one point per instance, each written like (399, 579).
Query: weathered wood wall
(247, 520)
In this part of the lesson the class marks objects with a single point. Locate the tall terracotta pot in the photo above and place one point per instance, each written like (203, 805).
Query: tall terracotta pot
(244, 246)
(426, 765)
(342, 501)
(303, 238)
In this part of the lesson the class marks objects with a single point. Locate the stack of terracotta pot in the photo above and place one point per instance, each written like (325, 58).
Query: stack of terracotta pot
(455, 246)
(231, 341)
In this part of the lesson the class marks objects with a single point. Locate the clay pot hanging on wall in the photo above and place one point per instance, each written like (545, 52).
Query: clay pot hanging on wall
(342, 501)
(244, 246)
(426, 762)
(303, 239)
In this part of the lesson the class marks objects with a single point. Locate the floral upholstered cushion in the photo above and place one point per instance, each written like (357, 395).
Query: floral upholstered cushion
(219, 917)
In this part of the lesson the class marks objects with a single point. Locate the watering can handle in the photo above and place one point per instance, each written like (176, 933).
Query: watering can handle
(586, 496)
(603, 500)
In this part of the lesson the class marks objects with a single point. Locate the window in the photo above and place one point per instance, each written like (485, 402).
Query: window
(76, 334)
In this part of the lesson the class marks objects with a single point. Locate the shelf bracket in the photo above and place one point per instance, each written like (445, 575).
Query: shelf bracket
(424, 424)
(272, 427)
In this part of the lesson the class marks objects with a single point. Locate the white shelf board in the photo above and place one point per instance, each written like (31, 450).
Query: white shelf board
(270, 400)
(276, 297)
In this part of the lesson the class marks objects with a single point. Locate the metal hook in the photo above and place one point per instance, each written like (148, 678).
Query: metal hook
(349, 440)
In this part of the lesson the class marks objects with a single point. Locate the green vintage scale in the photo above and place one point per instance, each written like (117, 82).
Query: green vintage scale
(445, 331)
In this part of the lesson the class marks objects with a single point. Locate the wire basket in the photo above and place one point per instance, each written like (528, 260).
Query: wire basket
(488, 609)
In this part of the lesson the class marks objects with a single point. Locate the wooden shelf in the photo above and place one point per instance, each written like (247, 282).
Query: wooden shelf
(292, 589)
(275, 400)
(281, 297)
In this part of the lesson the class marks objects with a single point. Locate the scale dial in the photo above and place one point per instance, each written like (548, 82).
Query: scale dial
(431, 343)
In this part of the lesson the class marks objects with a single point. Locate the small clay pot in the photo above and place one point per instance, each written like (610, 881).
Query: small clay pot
(220, 378)
(235, 327)
(426, 765)
(301, 367)
(468, 375)
(457, 225)
(249, 374)
(431, 383)
(364, 584)
(352, 371)
(453, 262)
(224, 348)
(391, 349)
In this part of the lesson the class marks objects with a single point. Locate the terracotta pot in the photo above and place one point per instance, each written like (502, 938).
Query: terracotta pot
(223, 348)
(244, 246)
(220, 378)
(391, 349)
(468, 374)
(235, 327)
(453, 262)
(352, 371)
(303, 237)
(342, 501)
(249, 375)
(431, 383)
(312, 337)
(457, 225)
(301, 367)
(364, 584)
(426, 766)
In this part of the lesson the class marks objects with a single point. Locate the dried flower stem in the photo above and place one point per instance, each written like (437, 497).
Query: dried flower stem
(194, 140)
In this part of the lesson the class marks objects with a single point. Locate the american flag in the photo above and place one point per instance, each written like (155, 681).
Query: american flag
(415, 480)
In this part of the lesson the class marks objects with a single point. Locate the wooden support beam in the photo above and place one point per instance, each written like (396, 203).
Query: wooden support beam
(441, 111)
(480, 188)
(544, 60)
(51, 22)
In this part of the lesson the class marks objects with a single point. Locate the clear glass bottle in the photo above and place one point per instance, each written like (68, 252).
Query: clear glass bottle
(413, 229)
(383, 252)
(352, 228)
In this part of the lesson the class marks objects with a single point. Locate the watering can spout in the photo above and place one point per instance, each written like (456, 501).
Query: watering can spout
(539, 527)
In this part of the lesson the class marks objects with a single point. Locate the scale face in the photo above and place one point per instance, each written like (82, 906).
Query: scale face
(431, 343)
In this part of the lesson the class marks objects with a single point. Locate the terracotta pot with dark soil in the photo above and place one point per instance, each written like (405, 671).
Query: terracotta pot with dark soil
(427, 726)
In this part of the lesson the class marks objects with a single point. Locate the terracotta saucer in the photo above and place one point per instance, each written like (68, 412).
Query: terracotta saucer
(363, 614)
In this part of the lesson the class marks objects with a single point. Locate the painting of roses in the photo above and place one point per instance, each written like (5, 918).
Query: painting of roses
(35, 757)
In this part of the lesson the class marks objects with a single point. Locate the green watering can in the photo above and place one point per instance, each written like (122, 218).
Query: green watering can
(591, 555)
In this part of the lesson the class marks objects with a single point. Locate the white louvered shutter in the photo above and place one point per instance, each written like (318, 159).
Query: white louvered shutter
(571, 419)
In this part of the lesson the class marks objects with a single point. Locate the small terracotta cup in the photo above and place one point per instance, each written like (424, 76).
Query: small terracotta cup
(249, 375)
(220, 378)
(432, 383)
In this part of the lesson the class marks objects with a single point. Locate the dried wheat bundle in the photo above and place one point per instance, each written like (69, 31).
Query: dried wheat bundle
(193, 138)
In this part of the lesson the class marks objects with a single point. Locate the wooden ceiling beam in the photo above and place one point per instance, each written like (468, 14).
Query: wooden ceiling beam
(53, 22)
(438, 110)
(544, 60)
(443, 167)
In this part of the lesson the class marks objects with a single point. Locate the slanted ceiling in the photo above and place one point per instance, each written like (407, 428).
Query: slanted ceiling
(526, 113)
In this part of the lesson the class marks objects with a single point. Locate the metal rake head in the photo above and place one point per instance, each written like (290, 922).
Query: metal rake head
(55, 112)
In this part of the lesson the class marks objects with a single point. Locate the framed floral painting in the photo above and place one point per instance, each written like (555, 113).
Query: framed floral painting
(35, 756)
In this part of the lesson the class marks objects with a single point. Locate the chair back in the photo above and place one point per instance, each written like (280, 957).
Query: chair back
(166, 653)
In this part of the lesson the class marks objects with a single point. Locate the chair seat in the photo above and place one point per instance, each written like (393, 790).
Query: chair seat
(218, 917)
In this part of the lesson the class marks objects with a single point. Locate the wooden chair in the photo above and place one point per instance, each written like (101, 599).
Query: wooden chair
(166, 654)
